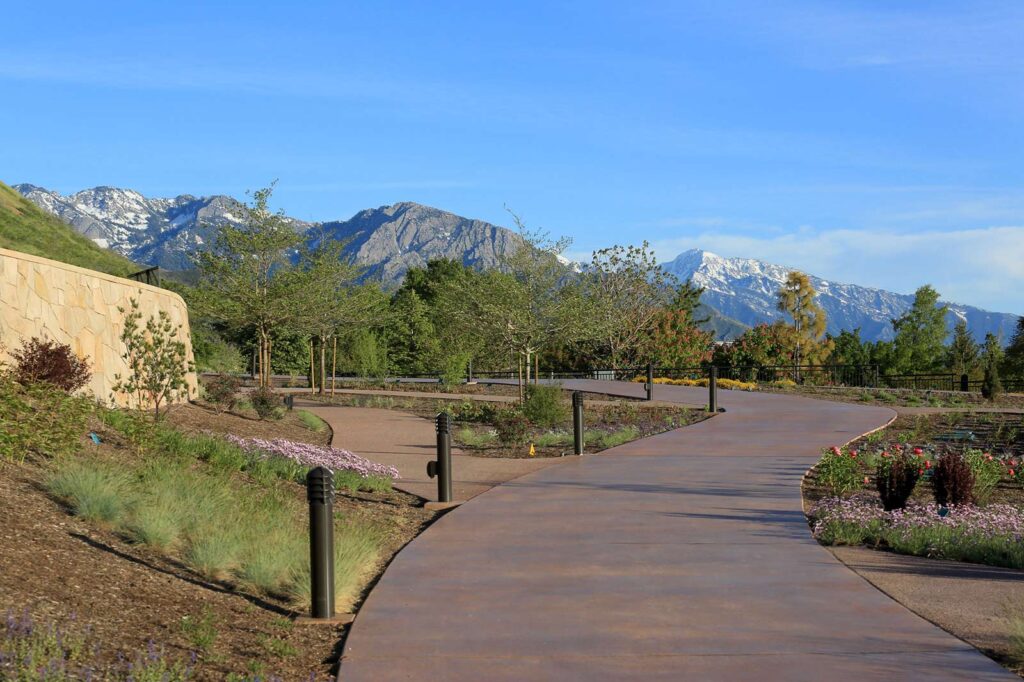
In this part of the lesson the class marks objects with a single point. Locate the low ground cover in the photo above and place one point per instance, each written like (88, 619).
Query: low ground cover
(138, 527)
(898, 397)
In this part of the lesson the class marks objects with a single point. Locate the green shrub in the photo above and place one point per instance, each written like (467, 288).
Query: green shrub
(512, 427)
(617, 438)
(265, 401)
(987, 470)
(135, 426)
(839, 471)
(544, 405)
(40, 419)
(94, 492)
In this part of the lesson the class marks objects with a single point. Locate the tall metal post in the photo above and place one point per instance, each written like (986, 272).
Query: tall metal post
(650, 381)
(289, 402)
(713, 389)
(320, 494)
(442, 466)
(577, 422)
(965, 383)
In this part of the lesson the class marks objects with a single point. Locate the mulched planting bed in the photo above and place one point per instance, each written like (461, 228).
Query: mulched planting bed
(59, 569)
(900, 397)
(998, 433)
(607, 423)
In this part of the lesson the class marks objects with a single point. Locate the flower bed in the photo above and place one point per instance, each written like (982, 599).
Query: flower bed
(991, 535)
(317, 455)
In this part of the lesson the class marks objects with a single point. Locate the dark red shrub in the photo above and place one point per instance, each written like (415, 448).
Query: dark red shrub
(222, 391)
(39, 361)
(953, 480)
(512, 427)
(896, 477)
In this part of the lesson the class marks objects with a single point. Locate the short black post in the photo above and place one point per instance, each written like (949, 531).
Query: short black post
(320, 494)
(442, 466)
(964, 383)
(650, 381)
(713, 389)
(289, 402)
(577, 422)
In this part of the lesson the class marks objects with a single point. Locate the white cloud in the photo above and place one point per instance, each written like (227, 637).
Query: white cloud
(982, 267)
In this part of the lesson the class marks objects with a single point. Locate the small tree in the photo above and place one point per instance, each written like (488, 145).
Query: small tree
(1013, 361)
(991, 386)
(157, 360)
(797, 298)
(963, 354)
(920, 333)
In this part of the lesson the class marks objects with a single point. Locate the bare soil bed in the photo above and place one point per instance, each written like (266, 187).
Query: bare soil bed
(54, 566)
(901, 397)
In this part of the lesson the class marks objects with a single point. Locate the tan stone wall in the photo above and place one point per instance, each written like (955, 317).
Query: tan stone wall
(79, 307)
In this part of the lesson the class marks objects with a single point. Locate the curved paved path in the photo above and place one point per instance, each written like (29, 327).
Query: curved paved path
(684, 556)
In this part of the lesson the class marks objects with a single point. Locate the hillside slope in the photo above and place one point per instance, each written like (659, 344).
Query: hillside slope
(27, 228)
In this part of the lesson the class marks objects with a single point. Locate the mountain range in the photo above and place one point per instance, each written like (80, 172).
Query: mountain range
(389, 240)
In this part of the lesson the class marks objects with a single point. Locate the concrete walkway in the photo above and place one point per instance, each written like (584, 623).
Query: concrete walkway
(684, 556)
(408, 442)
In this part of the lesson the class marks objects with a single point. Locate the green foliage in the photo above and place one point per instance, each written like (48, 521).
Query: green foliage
(213, 353)
(200, 630)
(311, 421)
(222, 391)
(1013, 361)
(157, 360)
(987, 472)
(472, 438)
(265, 401)
(839, 470)
(920, 334)
(366, 354)
(39, 361)
(27, 228)
(963, 355)
(677, 338)
(849, 349)
(96, 493)
(512, 427)
(761, 346)
(992, 356)
(797, 299)
(544, 405)
(615, 438)
(40, 420)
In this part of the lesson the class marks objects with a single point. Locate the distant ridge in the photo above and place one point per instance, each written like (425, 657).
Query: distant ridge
(27, 228)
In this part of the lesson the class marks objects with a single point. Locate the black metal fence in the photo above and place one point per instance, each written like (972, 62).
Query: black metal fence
(147, 276)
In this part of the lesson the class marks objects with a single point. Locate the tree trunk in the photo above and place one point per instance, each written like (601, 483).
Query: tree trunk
(536, 368)
(323, 363)
(334, 366)
(522, 393)
(527, 366)
(312, 369)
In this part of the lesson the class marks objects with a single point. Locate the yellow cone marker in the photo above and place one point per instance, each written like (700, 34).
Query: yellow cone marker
(533, 450)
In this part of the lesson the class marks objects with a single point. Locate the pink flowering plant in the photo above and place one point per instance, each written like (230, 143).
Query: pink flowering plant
(992, 535)
(350, 470)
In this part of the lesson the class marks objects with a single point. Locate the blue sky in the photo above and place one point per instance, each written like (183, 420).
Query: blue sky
(872, 142)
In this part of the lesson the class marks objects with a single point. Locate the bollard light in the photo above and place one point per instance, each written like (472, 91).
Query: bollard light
(650, 381)
(577, 422)
(713, 389)
(442, 467)
(320, 494)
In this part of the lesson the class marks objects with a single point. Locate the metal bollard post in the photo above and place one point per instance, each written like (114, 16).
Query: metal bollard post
(289, 402)
(577, 422)
(713, 389)
(442, 466)
(650, 381)
(964, 383)
(320, 494)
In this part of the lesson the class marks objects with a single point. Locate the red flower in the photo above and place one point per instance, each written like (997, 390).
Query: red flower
(918, 451)
(1011, 472)
(927, 464)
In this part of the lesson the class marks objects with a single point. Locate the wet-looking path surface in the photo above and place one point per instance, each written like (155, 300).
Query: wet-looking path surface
(685, 556)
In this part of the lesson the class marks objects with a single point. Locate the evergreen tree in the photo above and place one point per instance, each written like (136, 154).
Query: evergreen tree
(992, 356)
(919, 343)
(1013, 362)
(849, 349)
(796, 298)
(963, 354)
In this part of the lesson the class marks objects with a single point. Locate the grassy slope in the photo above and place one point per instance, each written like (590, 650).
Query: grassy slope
(27, 228)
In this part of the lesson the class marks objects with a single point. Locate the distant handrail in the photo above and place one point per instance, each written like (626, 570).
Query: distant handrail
(147, 276)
